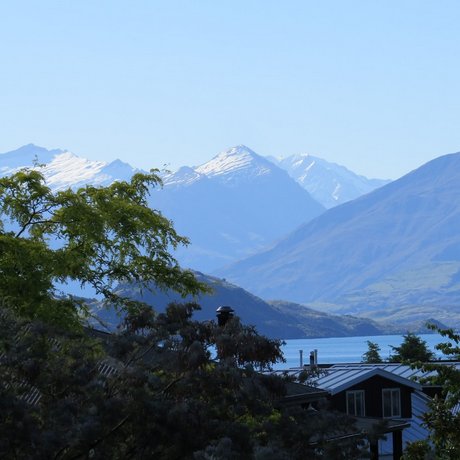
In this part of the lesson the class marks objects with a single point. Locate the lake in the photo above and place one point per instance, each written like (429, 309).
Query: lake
(345, 349)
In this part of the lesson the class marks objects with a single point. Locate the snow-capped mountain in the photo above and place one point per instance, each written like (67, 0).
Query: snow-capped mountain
(231, 206)
(63, 169)
(231, 168)
(328, 183)
(393, 253)
(237, 164)
(25, 156)
(182, 177)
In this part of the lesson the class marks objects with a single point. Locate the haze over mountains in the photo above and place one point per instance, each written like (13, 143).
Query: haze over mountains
(279, 319)
(234, 205)
(394, 253)
(329, 183)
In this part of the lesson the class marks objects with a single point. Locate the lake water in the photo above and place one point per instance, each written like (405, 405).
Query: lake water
(346, 349)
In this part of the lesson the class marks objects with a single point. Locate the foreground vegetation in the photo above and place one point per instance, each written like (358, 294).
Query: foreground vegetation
(165, 386)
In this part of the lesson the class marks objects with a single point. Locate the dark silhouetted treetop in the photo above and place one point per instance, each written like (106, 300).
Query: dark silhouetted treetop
(443, 416)
(412, 349)
(372, 355)
(159, 394)
(153, 390)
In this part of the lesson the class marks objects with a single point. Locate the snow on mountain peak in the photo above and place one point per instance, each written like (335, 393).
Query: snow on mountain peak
(183, 176)
(63, 169)
(238, 161)
(329, 183)
(67, 169)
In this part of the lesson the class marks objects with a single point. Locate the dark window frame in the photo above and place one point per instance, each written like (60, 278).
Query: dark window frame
(391, 402)
(358, 408)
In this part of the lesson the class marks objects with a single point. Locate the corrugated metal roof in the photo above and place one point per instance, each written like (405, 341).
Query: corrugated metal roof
(416, 431)
(342, 375)
(338, 379)
(402, 370)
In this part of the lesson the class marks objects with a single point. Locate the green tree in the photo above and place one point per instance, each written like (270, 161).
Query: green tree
(443, 419)
(418, 450)
(158, 394)
(97, 236)
(412, 349)
(372, 355)
(152, 390)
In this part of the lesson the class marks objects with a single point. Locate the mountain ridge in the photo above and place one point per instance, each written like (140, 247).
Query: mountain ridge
(283, 320)
(397, 245)
(63, 169)
(329, 183)
(233, 205)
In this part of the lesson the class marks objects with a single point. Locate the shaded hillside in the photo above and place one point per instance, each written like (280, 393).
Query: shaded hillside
(232, 206)
(397, 246)
(315, 323)
(280, 319)
(328, 183)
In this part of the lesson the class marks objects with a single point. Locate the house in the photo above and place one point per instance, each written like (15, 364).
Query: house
(373, 393)
(385, 399)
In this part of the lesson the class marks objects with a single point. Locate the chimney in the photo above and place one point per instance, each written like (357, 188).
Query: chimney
(224, 313)
(314, 358)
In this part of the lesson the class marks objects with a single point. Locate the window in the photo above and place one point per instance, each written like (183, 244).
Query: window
(355, 403)
(391, 400)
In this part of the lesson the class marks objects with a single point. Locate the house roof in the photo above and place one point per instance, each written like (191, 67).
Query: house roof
(402, 370)
(336, 380)
(347, 374)
(417, 429)
(298, 393)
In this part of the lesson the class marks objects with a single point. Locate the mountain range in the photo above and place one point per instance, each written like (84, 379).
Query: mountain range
(285, 320)
(232, 206)
(328, 183)
(393, 253)
(63, 169)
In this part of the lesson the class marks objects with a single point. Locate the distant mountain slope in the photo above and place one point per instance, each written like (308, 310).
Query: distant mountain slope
(282, 320)
(328, 183)
(397, 246)
(25, 156)
(232, 206)
(63, 169)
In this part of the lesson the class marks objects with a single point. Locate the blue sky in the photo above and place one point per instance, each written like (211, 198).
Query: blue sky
(372, 85)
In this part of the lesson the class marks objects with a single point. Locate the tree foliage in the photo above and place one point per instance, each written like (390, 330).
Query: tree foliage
(372, 355)
(412, 349)
(443, 417)
(157, 394)
(155, 389)
(97, 236)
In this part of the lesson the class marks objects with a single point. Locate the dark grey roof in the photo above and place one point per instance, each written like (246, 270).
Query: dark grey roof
(338, 377)
(297, 393)
(337, 380)
(402, 370)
